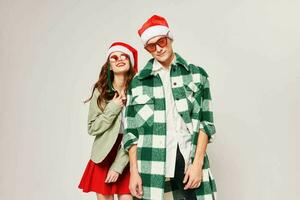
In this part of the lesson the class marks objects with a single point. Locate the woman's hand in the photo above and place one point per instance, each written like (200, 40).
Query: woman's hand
(118, 99)
(123, 97)
(135, 185)
(111, 177)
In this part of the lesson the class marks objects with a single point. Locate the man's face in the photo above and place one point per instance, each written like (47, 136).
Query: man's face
(160, 47)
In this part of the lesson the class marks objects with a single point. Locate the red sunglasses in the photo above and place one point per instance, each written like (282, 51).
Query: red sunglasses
(115, 58)
(162, 42)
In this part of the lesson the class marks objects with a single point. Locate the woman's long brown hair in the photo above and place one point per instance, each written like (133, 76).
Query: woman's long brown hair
(102, 85)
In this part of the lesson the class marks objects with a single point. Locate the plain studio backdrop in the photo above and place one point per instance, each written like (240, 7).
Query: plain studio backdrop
(51, 53)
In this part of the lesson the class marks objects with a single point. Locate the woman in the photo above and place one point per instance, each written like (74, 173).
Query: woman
(107, 172)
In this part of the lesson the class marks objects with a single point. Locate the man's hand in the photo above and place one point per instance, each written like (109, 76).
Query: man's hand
(135, 185)
(111, 177)
(193, 176)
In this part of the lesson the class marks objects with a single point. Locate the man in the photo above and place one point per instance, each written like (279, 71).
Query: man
(168, 123)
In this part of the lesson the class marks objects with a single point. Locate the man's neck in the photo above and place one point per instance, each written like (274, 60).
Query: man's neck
(168, 62)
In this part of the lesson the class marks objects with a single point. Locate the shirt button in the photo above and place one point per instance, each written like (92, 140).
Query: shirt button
(175, 83)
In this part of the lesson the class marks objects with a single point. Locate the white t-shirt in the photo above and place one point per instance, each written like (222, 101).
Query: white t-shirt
(177, 132)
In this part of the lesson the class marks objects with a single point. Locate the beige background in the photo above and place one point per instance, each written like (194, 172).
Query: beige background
(50, 53)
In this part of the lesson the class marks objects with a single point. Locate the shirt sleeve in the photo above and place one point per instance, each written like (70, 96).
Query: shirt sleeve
(130, 130)
(205, 116)
(120, 161)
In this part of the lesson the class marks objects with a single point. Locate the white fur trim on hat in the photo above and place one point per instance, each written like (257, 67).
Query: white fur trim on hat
(155, 31)
(122, 49)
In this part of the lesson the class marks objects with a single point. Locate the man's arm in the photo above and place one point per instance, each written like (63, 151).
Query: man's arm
(130, 141)
(201, 148)
(206, 128)
(133, 159)
(135, 184)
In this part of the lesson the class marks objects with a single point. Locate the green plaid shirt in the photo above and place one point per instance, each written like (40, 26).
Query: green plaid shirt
(145, 122)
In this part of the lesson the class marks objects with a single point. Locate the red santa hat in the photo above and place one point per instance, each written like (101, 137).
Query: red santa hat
(127, 49)
(154, 26)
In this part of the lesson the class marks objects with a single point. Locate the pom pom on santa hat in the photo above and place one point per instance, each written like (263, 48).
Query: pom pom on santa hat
(154, 26)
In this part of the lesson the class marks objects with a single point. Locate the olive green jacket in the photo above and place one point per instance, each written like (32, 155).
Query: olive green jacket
(105, 125)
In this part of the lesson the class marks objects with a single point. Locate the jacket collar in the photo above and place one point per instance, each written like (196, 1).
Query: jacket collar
(149, 71)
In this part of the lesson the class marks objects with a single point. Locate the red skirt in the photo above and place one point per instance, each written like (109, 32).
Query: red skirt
(95, 174)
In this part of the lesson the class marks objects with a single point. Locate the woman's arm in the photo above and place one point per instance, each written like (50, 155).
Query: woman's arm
(121, 161)
(98, 121)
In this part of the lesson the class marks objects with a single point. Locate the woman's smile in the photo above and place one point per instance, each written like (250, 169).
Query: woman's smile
(121, 64)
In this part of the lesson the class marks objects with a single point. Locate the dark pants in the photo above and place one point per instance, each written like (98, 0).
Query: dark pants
(189, 194)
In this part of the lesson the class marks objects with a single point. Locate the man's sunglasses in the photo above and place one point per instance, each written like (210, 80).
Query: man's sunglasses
(162, 42)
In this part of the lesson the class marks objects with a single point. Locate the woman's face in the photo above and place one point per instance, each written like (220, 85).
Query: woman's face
(119, 62)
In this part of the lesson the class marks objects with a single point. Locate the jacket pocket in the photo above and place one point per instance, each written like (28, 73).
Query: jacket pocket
(190, 91)
(142, 99)
(143, 107)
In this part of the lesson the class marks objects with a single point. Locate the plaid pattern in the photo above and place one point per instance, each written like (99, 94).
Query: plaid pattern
(145, 123)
